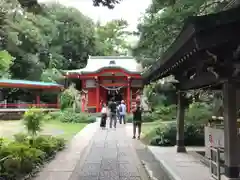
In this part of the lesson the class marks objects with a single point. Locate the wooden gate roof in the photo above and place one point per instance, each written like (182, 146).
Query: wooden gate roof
(199, 34)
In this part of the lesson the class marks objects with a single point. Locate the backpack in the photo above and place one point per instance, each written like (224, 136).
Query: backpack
(113, 107)
(120, 108)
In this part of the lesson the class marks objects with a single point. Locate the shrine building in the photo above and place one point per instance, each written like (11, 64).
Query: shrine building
(106, 77)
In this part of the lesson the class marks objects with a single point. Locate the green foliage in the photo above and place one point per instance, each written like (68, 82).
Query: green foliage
(32, 120)
(159, 94)
(70, 98)
(146, 117)
(34, 6)
(166, 113)
(163, 21)
(166, 135)
(20, 137)
(20, 157)
(49, 144)
(129, 118)
(54, 115)
(199, 112)
(112, 38)
(72, 117)
(196, 116)
(6, 61)
(108, 3)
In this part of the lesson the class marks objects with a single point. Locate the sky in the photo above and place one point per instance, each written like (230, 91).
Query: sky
(130, 10)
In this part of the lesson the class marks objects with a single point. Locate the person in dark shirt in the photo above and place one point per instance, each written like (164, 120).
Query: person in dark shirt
(137, 118)
(113, 112)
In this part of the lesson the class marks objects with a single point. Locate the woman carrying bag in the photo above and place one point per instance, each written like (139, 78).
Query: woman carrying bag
(103, 116)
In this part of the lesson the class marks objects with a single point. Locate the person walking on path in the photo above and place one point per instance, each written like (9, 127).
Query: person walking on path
(122, 112)
(103, 116)
(113, 112)
(137, 118)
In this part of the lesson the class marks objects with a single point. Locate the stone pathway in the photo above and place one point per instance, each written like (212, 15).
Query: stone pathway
(66, 161)
(110, 156)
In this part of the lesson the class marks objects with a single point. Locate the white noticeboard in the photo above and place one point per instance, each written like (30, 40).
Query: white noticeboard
(90, 83)
(213, 137)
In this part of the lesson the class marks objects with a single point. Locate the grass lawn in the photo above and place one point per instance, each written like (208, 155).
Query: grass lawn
(55, 128)
(66, 130)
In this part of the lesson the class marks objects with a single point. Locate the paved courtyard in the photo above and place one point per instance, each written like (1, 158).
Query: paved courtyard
(110, 156)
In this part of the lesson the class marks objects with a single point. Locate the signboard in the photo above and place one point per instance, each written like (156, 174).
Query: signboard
(213, 138)
(90, 83)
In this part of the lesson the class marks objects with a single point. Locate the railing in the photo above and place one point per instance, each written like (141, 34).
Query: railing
(26, 106)
(215, 162)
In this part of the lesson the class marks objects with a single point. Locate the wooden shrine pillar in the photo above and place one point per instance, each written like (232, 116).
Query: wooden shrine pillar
(58, 102)
(231, 140)
(97, 95)
(129, 94)
(38, 99)
(180, 123)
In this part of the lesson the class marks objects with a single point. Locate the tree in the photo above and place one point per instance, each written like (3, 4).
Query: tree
(163, 21)
(112, 38)
(6, 61)
(108, 3)
(75, 37)
(33, 5)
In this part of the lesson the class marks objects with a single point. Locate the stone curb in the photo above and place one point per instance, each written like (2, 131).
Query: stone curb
(169, 172)
(148, 170)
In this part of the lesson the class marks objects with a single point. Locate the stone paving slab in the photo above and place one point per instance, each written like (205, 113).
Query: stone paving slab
(111, 157)
(180, 166)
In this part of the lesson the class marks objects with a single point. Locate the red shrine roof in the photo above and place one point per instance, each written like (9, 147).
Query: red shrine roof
(98, 63)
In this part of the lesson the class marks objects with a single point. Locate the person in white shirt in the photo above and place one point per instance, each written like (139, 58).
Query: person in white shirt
(122, 112)
(103, 116)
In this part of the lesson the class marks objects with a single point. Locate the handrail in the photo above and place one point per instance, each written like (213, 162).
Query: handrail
(215, 162)
(19, 105)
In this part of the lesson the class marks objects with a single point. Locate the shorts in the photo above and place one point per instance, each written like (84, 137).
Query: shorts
(137, 124)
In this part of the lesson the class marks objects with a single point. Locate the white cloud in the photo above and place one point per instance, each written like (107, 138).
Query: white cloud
(130, 10)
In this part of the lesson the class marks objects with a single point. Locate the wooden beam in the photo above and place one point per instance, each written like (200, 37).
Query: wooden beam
(204, 79)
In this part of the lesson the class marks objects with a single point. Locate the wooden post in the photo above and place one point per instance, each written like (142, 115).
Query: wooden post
(180, 123)
(97, 94)
(38, 99)
(231, 140)
(58, 101)
(129, 94)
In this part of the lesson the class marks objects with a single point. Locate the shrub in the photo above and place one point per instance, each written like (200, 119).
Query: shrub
(198, 112)
(20, 137)
(129, 118)
(149, 117)
(55, 115)
(146, 117)
(72, 117)
(49, 144)
(32, 120)
(166, 113)
(20, 158)
(166, 135)
(70, 98)
(91, 119)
